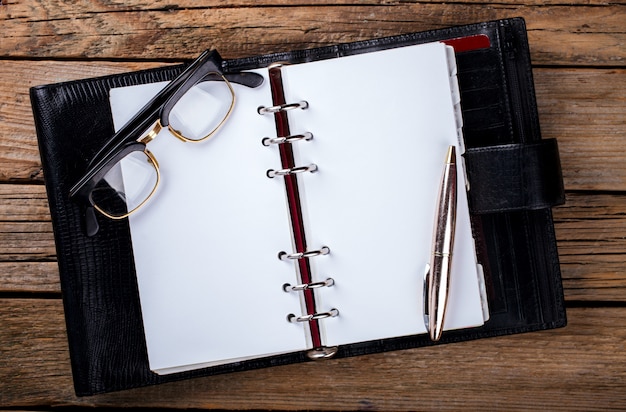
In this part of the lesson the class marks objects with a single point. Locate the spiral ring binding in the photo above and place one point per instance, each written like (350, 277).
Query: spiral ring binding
(287, 287)
(267, 141)
(282, 107)
(315, 316)
(271, 173)
(301, 255)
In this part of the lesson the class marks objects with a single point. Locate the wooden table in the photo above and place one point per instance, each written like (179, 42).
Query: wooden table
(579, 52)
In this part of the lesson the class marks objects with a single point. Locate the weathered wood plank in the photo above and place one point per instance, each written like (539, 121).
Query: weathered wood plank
(29, 277)
(26, 241)
(590, 236)
(590, 233)
(584, 109)
(23, 203)
(580, 367)
(26, 8)
(34, 355)
(559, 34)
(25, 227)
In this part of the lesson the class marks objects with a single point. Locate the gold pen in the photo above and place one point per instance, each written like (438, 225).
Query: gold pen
(437, 277)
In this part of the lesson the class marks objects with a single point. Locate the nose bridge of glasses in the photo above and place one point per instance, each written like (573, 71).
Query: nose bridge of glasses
(140, 129)
(152, 133)
(90, 221)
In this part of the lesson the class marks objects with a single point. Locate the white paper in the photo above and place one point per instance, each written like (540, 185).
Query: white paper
(206, 245)
(380, 142)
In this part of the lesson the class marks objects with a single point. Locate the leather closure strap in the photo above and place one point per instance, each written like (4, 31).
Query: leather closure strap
(524, 176)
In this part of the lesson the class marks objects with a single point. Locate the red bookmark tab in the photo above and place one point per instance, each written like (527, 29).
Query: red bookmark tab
(468, 43)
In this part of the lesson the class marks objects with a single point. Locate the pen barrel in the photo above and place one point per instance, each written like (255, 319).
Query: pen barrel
(443, 236)
(443, 243)
(439, 286)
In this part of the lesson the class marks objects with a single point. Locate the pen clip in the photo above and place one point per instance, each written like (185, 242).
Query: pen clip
(426, 297)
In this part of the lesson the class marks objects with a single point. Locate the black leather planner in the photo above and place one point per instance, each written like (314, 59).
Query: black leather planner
(514, 175)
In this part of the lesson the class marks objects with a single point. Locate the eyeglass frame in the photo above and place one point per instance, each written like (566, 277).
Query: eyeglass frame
(147, 123)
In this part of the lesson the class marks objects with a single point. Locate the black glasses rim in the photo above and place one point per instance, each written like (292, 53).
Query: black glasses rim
(108, 163)
(113, 163)
(84, 195)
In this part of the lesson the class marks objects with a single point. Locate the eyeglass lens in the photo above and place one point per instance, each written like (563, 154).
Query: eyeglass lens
(202, 110)
(125, 187)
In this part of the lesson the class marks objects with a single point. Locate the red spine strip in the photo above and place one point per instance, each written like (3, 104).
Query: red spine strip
(293, 199)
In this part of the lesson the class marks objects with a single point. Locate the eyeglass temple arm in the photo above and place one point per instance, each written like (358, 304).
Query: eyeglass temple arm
(247, 79)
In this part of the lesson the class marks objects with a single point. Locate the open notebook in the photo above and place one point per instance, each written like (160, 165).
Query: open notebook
(206, 247)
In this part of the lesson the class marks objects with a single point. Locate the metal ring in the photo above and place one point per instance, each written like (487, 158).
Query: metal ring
(282, 107)
(271, 173)
(315, 316)
(267, 141)
(304, 286)
(301, 255)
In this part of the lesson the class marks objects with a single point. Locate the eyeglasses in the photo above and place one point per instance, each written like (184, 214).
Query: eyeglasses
(124, 175)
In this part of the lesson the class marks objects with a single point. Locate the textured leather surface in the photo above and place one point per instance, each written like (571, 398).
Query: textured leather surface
(522, 176)
(514, 231)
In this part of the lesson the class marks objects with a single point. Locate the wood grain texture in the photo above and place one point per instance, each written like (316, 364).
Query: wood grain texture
(537, 370)
(29, 277)
(585, 110)
(25, 225)
(590, 232)
(81, 29)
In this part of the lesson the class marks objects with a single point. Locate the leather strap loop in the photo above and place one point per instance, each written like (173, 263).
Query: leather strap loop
(524, 176)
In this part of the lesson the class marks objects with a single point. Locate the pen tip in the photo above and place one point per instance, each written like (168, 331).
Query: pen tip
(435, 334)
(451, 156)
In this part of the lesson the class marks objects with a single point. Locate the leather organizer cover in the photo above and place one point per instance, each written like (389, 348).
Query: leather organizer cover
(515, 178)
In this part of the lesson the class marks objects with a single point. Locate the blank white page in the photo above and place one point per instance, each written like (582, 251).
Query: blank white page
(206, 245)
(382, 123)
